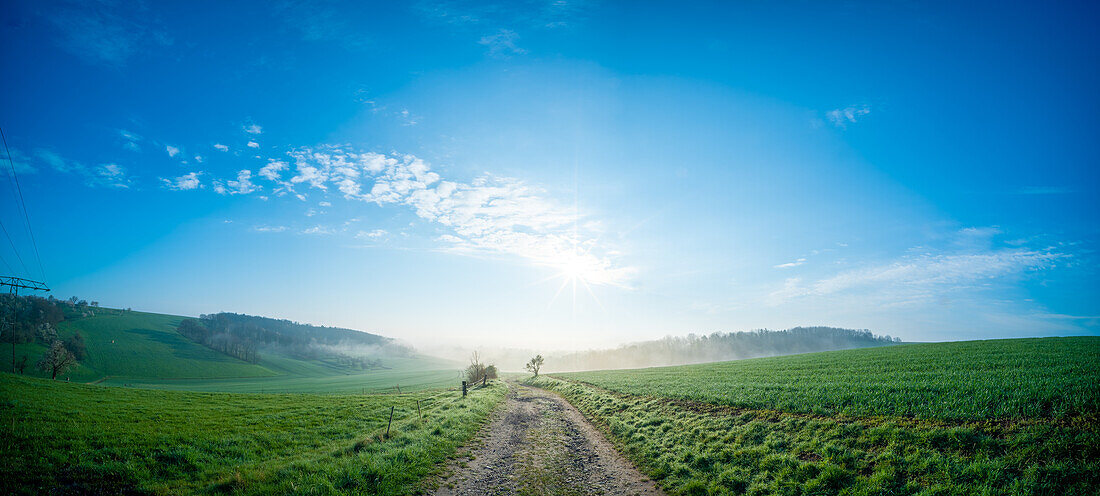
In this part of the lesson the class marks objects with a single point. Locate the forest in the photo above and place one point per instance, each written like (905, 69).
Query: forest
(244, 336)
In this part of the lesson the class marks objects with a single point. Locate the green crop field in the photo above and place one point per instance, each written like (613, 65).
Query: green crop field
(86, 439)
(990, 417)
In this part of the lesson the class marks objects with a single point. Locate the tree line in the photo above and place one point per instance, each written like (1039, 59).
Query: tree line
(721, 346)
(244, 336)
(33, 319)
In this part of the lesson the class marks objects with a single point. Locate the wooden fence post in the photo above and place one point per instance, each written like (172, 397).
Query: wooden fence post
(463, 389)
(388, 424)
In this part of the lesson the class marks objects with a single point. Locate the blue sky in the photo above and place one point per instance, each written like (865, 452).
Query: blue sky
(563, 174)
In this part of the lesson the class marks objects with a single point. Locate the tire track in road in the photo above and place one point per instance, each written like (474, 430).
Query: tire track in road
(539, 444)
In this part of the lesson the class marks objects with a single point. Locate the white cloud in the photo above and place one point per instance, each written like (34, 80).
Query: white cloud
(241, 186)
(130, 140)
(198, 158)
(253, 144)
(185, 182)
(502, 43)
(848, 115)
(317, 230)
(112, 175)
(407, 118)
(172, 151)
(375, 234)
(269, 228)
(273, 172)
(221, 147)
(325, 204)
(253, 129)
(490, 215)
(788, 265)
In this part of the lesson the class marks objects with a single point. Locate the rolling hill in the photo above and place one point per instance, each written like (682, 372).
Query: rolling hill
(128, 348)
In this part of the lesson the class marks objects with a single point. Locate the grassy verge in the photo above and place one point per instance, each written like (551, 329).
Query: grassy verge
(72, 438)
(702, 450)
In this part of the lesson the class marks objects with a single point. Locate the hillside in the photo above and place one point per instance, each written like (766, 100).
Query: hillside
(1006, 417)
(140, 349)
(130, 344)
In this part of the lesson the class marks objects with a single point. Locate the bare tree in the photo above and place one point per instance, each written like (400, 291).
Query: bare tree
(535, 364)
(57, 360)
(476, 371)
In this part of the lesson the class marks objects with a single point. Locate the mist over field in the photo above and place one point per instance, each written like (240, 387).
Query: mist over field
(680, 350)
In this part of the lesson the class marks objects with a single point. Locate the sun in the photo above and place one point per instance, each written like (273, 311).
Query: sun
(572, 268)
(576, 269)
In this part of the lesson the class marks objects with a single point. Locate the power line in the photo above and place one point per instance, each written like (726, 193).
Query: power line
(26, 217)
(12, 243)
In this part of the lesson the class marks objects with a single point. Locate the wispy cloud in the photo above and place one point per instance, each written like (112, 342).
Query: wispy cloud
(407, 118)
(502, 43)
(107, 175)
(253, 129)
(220, 147)
(375, 234)
(788, 265)
(489, 215)
(325, 22)
(130, 140)
(22, 161)
(318, 230)
(185, 182)
(112, 175)
(269, 228)
(842, 117)
(496, 25)
(105, 32)
(253, 144)
(528, 14)
(172, 151)
(922, 277)
(241, 186)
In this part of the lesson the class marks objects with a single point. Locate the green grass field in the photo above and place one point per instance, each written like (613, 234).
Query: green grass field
(139, 344)
(297, 376)
(991, 417)
(65, 438)
(1004, 379)
(138, 349)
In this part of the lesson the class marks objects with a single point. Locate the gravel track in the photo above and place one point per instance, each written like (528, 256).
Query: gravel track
(539, 444)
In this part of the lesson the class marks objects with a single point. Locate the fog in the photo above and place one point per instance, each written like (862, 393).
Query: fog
(672, 350)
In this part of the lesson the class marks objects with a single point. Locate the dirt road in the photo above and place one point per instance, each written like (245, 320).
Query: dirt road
(538, 444)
